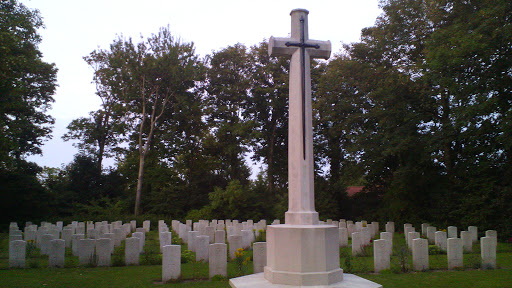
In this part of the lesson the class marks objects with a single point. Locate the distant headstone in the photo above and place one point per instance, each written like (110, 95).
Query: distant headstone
(388, 236)
(192, 236)
(390, 227)
(45, 243)
(343, 237)
(431, 234)
(410, 237)
(74, 243)
(220, 236)
(66, 236)
(474, 233)
(166, 240)
(440, 240)
(356, 243)
(452, 232)
(142, 240)
(146, 225)
(467, 241)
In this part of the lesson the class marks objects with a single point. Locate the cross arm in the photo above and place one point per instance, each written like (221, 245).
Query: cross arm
(278, 47)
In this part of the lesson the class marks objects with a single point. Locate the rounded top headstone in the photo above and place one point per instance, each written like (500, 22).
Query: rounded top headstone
(299, 10)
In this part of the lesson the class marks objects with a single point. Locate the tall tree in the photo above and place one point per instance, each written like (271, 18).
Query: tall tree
(148, 79)
(268, 109)
(27, 84)
(226, 105)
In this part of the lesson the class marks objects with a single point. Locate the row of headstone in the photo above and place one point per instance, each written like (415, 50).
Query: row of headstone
(95, 247)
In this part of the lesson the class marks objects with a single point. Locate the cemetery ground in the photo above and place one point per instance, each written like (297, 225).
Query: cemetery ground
(195, 274)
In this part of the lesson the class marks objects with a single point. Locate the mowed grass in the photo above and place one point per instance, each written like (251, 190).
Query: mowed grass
(195, 274)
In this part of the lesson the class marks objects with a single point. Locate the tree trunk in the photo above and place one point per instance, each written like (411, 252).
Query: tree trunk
(140, 177)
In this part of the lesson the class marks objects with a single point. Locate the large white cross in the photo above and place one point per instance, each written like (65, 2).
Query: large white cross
(301, 196)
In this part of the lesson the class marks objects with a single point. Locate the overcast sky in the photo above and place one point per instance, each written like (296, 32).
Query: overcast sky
(76, 28)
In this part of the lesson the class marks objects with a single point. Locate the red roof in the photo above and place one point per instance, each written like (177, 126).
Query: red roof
(352, 190)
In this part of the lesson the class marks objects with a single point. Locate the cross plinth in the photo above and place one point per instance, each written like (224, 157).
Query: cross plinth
(301, 196)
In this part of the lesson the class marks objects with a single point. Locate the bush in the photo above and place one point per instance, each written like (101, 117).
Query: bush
(187, 256)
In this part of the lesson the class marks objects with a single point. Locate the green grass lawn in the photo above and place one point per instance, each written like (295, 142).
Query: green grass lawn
(194, 274)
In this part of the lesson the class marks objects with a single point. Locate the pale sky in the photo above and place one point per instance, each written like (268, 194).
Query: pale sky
(76, 28)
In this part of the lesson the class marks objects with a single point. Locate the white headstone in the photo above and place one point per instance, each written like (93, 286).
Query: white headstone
(171, 262)
(390, 227)
(259, 256)
(474, 233)
(74, 243)
(419, 254)
(467, 241)
(410, 237)
(389, 238)
(45, 243)
(235, 242)
(103, 251)
(440, 240)
(220, 236)
(146, 225)
(132, 251)
(356, 243)
(381, 256)
(488, 252)
(454, 253)
(201, 246)
(452, 232)
(66, 236)
(192, 236)
(343, 237)
(142, 240)
(217, 258)
(17, 253)
(165, 240)
(86, 251)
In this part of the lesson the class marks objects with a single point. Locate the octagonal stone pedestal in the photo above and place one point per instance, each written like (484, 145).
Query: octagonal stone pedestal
(258, 281)
(302, 256)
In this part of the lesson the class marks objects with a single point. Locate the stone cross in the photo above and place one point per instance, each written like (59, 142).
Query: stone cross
(301, 206)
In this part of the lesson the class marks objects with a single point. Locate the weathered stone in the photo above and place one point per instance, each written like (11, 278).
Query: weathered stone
(431, 234)
(17, 254)
(454, 253)
(166, 240)
(247, 238)
(351, 228)
(376, 228)
(390, 227)
(132, 251)
(493, 234)
(171, 262)
(210, 232)
(133, 225)
(217, 258)
(103, 251)
(488, 252)
(259, 256)
(142, 240)
(235, 242)
(66, 236)
(220, 236)
(74, 243)
(424, 227)
(201, 246)
(419, 254)
(45, 243)
(410, 237)
(146, 225)
(57, 253)
(452, 232)
(86, 251)
(118, 236)
(192, 236)
(356, 243)
(366, 236)
(389, 238)
(474, 233)
(381, 256)
(440, 240)
(406, 234)
(343, 237)
(467, 241)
